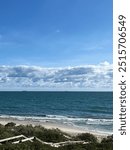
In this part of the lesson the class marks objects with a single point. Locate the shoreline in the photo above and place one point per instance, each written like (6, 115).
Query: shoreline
(71, 130)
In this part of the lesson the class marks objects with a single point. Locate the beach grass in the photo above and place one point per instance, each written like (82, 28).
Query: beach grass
(50, 135)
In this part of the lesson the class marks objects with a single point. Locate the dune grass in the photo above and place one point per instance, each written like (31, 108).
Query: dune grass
(50, 135)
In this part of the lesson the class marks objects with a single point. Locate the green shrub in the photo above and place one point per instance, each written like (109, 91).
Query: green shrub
(50, 135)
(10, 124)
(87, 137)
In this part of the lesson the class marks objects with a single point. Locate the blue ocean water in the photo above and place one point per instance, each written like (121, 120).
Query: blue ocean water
(87, 110)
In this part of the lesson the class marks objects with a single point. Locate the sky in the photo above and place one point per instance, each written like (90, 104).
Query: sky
(55, 35)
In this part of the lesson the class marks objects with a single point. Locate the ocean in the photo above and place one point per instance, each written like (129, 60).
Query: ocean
(87, 110)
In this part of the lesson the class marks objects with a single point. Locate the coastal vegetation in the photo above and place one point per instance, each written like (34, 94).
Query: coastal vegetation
(90, 142)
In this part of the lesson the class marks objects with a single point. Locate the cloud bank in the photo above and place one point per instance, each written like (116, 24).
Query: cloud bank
(88, 77)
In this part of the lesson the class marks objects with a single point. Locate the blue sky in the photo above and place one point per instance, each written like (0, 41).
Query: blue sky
(55, 33)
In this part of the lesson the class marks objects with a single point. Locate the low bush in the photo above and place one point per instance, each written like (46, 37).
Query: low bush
(50, 135)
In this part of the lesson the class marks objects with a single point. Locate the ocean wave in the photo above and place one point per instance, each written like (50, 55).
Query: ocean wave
(88, 124)
(61, 118)
(100, 121)
(87, 120)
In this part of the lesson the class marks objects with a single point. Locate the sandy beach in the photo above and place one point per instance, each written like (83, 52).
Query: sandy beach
(72, 130)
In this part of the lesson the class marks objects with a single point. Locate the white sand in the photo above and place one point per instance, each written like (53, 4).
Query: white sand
(72, 130)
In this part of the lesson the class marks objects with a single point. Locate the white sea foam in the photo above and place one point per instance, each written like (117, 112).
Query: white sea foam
(63, 119)
(88, 124)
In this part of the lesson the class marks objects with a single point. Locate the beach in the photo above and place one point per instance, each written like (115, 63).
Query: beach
(71, 112)
(71, 130)
(91, 111)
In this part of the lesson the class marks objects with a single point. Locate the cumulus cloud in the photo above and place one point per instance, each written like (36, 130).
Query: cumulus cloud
(89, 77)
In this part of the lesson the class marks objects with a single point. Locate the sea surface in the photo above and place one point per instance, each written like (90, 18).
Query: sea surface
(87, 110)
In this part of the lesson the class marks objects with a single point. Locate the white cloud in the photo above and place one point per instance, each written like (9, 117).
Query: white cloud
(89, 77)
